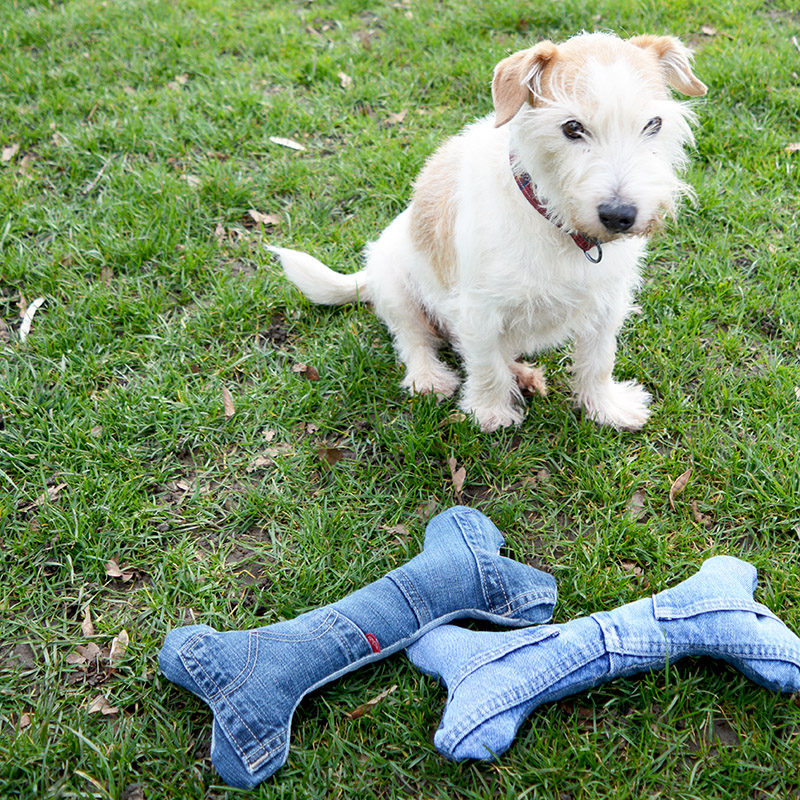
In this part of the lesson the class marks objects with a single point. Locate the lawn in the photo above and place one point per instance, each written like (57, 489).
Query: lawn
(184, 438)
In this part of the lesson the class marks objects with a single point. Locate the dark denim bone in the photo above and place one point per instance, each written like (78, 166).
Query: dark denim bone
(253, 680)
(495, 680)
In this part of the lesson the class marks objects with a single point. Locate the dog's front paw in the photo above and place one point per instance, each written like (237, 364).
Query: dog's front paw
(624, 406)
(436, 379)
(492, 417)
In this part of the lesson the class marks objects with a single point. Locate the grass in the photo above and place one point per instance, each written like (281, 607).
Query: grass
(141, 137)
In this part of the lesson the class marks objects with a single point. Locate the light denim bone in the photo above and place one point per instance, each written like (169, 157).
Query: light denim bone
(495, 680)
(253, 680)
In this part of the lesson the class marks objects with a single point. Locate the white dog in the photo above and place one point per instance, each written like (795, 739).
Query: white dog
(527, 229)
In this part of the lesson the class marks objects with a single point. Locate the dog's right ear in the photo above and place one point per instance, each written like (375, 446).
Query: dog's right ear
(517, 79)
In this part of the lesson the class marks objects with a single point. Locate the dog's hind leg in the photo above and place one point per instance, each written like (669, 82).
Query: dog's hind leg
(415, 339)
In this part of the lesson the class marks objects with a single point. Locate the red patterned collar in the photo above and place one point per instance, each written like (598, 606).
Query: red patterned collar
(527, 188)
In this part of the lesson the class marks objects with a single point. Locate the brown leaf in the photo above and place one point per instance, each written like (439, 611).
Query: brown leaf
(24, 721)
(331, 455)
(227, 403)
(9, 152)
(87, 626)
(118, 647)
(707, 30)
(89, 652)
(345, 81)
(458, 476)
(700, 518)
(630, 566)
(678, 485)
(396, 119)
(263, 219)
(220, 234)
(308, 370)
(793, 147)
(636, 505)
(100, 705)
(113, 570)
(178, 82)
(269, 434)
(359, 711)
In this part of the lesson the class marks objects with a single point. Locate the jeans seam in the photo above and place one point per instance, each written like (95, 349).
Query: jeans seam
(412, 596)
(474, 550)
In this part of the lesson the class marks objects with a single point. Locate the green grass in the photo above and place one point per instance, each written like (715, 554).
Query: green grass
(144, 132)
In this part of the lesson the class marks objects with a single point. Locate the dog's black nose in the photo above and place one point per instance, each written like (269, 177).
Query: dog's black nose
(617, 217)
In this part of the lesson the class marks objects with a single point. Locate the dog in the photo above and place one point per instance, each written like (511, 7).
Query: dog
(526, 230)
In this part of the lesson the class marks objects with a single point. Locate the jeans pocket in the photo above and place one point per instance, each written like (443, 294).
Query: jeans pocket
(667, 606)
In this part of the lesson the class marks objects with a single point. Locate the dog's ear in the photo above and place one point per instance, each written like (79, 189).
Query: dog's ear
(675, 61)
(517, 79)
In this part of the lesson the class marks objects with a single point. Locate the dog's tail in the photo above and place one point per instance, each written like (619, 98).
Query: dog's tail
(319, 283)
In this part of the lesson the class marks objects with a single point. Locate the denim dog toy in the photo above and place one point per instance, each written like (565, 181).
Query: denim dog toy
(495, 680)
(253, 680)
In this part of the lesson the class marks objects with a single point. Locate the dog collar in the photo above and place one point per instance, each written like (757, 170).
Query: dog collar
(526, 186)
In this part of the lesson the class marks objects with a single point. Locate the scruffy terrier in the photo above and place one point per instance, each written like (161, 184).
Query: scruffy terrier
(527, 229)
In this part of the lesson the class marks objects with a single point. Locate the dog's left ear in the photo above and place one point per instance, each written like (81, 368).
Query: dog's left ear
(517, 77)
(675, 62)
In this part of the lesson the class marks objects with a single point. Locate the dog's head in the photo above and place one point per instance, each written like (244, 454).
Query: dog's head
(594, 123)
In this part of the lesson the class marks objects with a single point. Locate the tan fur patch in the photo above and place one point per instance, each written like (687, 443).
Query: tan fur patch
(433, 212)
(568, 72)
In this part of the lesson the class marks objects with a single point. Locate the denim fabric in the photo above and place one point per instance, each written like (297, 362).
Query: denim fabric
(253, 680)
(495, 680)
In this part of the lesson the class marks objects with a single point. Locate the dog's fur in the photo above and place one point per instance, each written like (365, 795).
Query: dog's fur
(472, 260)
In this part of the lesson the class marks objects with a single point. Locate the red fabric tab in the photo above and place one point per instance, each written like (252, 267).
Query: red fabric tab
(373, 642)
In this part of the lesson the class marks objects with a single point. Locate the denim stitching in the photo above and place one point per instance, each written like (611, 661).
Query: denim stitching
(473, 547)
(519, 695)
(407, 588)
(488, 656)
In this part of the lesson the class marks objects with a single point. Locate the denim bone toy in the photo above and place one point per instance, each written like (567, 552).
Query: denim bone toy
(253, 680)
(495, 680)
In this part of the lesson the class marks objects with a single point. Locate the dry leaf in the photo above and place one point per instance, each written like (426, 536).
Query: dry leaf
(396, 119)
(678, 486)
(178, 81)
(700, 518)
(359, 711)
(113, 570)
(227, 403)
(192, 180)
(24, 721)
(793, 147)
(27, 318)
(797, 392)
(331, 455)
(263, 219)
(458, 476)
(9, 152)
(89, 652)
(308, 370)
(284, 142)
(259, 462)
(456, 416)
(119, 645)
(345, 81)
(87, 626)
(100, 705)
(96, 431)
(636, 505)
(219, 234)
(707, 30)
(630, 566)
(269, 435)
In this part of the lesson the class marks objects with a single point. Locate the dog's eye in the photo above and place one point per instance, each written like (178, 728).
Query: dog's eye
(652, 127)
(573, 129)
